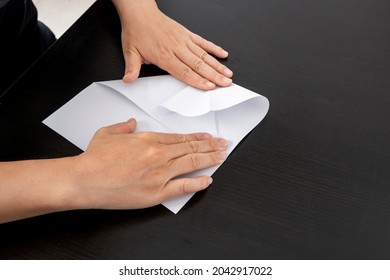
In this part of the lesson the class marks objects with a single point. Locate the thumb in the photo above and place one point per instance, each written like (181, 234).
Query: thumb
(133, 66)
(122, 128)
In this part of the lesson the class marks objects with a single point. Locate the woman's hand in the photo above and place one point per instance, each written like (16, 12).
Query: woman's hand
(119, 170)
(149, 36)
(124, 170)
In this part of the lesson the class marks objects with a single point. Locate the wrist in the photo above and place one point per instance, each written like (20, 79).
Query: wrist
(57, 186)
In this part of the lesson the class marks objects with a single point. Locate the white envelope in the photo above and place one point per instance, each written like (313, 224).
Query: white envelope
(161, 104)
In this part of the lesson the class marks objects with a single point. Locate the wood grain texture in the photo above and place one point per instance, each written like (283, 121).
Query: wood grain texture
(312, 181)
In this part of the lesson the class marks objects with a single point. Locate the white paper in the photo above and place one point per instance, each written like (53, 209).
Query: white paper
(161, 104)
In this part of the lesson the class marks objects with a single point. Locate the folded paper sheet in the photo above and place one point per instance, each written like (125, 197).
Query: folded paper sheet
(161, 104)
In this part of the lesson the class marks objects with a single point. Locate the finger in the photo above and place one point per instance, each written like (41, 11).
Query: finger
(133, 63)
(120, 128)
(198, 59)
(185, 73)
(210, 60)
(192, 162)
(208, 46)
(195, 147)
(183, 186)
(175, 138)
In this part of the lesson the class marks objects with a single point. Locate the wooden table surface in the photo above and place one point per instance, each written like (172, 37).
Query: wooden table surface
(311, 181)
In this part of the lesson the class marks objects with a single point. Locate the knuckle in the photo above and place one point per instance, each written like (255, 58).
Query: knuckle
(127, 51)
(186, 72)
(185, 186)
(159, 151)
(194, 147)
(180, 138)
(195, 161)
(203, 55)
(199, 65)
(144, 135)
(153, 151)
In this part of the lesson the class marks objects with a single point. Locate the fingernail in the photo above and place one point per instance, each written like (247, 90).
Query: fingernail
(228, 72)
(225, 53)
(221, 156)
(206, 136)
(210, 85)
(222, 142)
(209, 180)
(226, 80)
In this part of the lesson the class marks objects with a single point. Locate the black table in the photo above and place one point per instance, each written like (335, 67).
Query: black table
(312, 181)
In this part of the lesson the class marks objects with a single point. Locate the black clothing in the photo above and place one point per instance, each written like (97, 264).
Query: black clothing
(23, 39)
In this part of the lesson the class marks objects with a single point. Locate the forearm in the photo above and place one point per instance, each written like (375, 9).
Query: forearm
(35, 187)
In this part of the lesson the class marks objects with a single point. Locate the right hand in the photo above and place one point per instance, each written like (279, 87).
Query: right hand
(149, 36)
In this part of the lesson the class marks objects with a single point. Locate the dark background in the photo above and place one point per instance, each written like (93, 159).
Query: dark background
(311, 181)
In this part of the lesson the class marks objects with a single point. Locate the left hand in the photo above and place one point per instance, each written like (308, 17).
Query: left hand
(149, 36)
